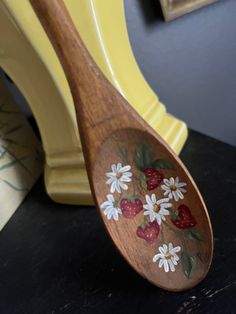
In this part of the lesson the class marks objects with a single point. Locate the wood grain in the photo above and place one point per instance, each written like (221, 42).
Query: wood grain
(106, 123)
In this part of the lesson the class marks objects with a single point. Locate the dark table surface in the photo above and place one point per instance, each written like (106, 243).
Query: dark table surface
(58, 258)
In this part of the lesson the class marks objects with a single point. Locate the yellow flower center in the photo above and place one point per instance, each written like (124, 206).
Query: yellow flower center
(156, 208)
(168, 255)
(118, 175)
(173, 188)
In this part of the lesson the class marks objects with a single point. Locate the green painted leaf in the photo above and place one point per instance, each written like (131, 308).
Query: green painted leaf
(163, 164)
(144, 223)
(194, 234)
(132, 197)
(123, 153)
(188, 263)
(143, 157)
(143, 181)
(173, 213)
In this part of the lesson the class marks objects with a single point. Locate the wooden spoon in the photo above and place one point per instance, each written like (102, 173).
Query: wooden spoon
(149, 203)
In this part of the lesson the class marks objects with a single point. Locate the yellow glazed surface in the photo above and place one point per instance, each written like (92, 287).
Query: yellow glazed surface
(27, 56)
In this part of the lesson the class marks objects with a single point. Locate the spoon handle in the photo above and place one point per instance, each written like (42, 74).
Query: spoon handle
(99, 107)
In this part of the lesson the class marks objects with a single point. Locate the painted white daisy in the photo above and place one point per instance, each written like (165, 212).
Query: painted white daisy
(111, 211)
(173, 188)
(118, 177)
(156, 210)
(167, 257)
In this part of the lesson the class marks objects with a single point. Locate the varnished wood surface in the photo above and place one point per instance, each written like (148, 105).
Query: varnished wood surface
(102, 113)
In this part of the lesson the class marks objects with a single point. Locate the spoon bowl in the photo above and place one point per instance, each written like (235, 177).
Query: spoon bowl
(152, 210)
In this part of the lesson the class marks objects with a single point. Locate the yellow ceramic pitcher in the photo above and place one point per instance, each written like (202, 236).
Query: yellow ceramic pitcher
(27, 56)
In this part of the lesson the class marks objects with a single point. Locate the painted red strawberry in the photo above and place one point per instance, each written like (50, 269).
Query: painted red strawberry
(154, 178)
(149, 233)
(130, 208)
(184, 219)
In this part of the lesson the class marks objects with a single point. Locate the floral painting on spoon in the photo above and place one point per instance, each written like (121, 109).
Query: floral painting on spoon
(148, 195)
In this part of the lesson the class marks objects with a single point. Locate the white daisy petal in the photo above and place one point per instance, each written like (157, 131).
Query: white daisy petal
(156, 258)
(166, 266)
(125, 179)
(174, 261)
(109, 181)
(110, 198)
(128, 174)
(153, 198)
(108, 209)
(161, 249)
(167, 182)
(125, 169)
(150, 203)
(158, 218)
(118, 167)
(159, 256)
(117, 185)
(180, 194)
(161, 262)
(152, 216)
(115, 215)
(164, 187)
(105, 204)
(176, 197)
(113, 187)
(166, 193)
(176, 257)
(172, 181)
(163, 200)
(181, 184)
(170, 196)
(163, 218)
(110, 215)
(113, 168)
(164, 212)
(171, 265)
(165, 248)
(182, 190)
(148, 200)
(166, 205)
(176, 249)
(111, 174)
(123, 185)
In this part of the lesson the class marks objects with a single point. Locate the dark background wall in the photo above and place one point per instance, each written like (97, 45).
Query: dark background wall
(190, 62)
